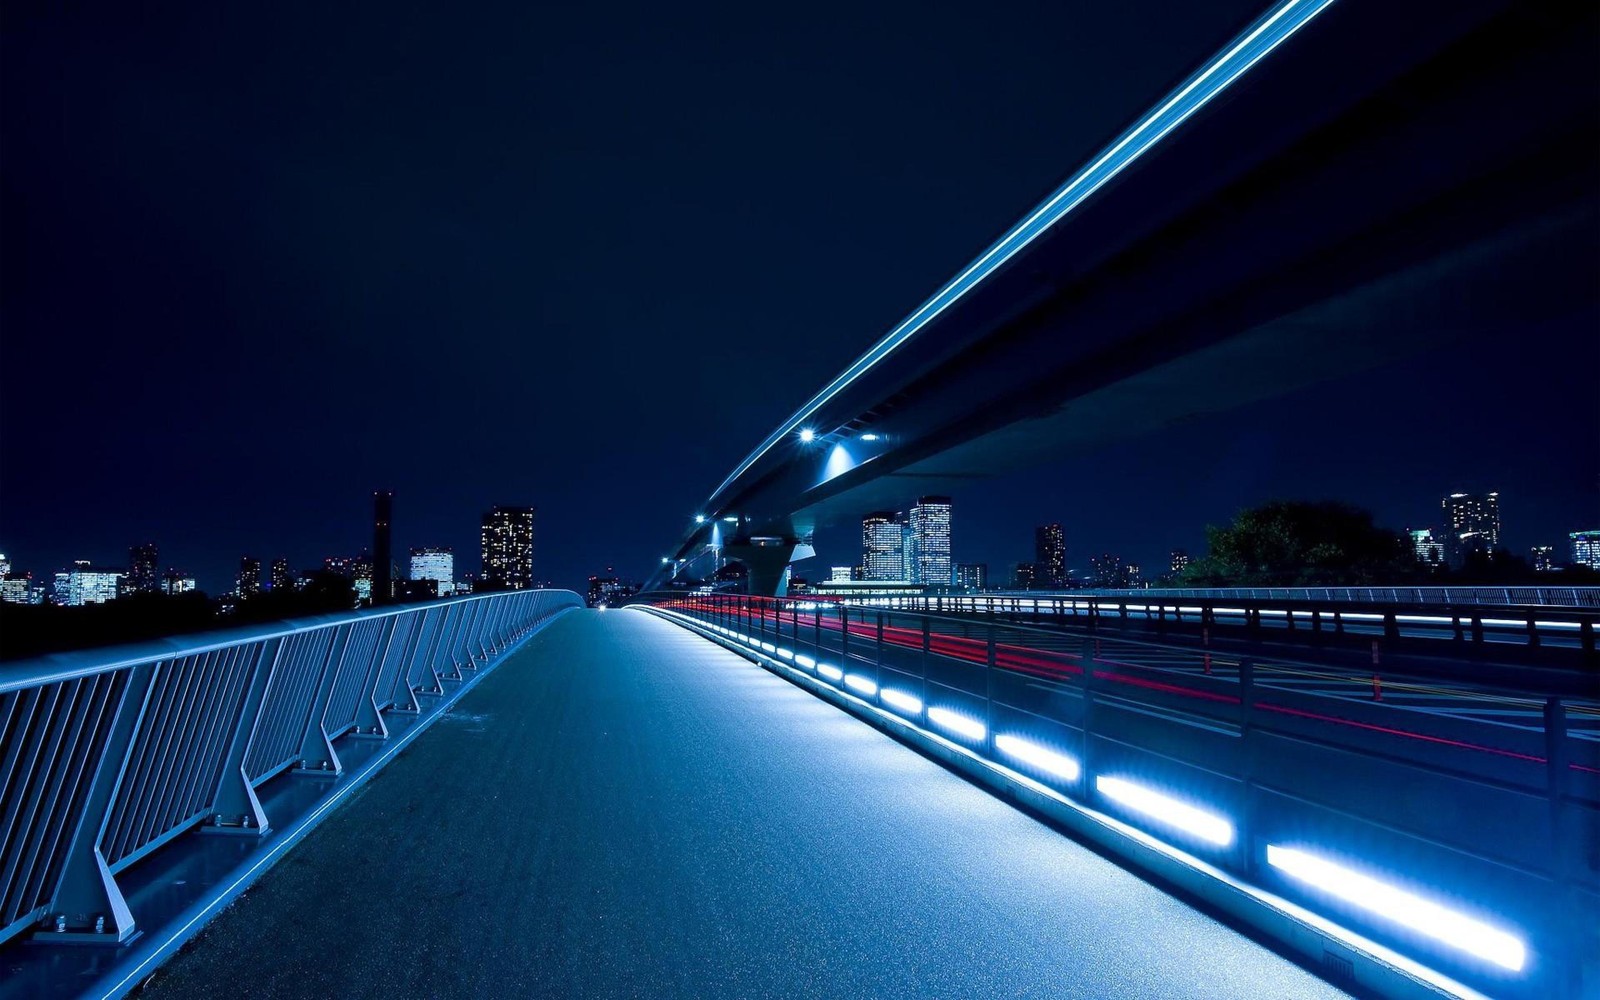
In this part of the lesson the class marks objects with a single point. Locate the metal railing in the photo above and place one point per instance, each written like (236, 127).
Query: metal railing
(1482, 808)
(1553, 632)
(106, 755)
(1561, 597)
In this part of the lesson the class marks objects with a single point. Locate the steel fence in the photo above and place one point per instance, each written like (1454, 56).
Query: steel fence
(107, 755)
(1478, 810)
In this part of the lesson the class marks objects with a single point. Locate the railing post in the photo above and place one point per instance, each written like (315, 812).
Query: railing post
(1249, 747)
(988, 692)
(87, 891)
(844, 634)
(317, 755)
(235, 802)
(925, 646)
(1086, 660)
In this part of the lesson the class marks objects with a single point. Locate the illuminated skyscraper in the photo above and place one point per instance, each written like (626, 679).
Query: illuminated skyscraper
(142, 576)
(1050, 557)
(929, 525)
(248, 581)
(177, 582)
(883, 546)
(382, 555)
(83, 584)
(508, 548)
(280, 579)
(973, 576)
(1474, 513)
(436, 563)
(1179, 562)
(1585, 548)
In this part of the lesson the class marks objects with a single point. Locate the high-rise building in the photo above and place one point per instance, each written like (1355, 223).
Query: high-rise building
(83, 584)
(382, 556)
(883, 546)
(1179, 562)
(248, 581)
(176, 582)
(142, 577)
(5, 564)
(929, 524)
(1474, 513)
(972, 576)
(508, 548)
(1024, 576)
(1543, 558)
(1109, 572)
(437, 563)
(280, 579)
(1050, 556)
(841, 574)
(1585, 548)
(16, 588)
(1428, 547)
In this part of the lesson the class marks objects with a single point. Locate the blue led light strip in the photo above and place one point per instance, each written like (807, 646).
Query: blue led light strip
(1270, 31)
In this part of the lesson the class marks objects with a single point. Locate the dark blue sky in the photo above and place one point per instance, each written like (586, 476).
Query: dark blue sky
(256, 263)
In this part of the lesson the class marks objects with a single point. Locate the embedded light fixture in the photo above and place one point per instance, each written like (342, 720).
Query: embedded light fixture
(807, 435)
(1392, 903)
(869, 437)
(1060, 765)
(699, 519)
(1167, 811)
(904, 702)
(957, 723)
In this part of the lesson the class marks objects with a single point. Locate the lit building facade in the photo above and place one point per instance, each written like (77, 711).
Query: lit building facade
(177, 582)
(16, 588)
(973, 576)
(929, 524)
(437, 563)
(507, 540)
(280, 578)
(841, 574)
(83, 584)
(1024, 576)
(142, 576)
(1050, 556)
(1585, 548)
(1543, 558)
(1474, 513)
(1428, 548)
(1178, 562)
(248, 581)
(883, 546)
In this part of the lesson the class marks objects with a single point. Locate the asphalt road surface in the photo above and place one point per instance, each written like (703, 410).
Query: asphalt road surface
(623, 809)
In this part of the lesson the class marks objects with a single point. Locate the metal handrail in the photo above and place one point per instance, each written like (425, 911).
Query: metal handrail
(108, 754)
(1277, 765)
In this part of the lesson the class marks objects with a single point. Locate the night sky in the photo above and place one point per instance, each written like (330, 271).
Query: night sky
(257, 263)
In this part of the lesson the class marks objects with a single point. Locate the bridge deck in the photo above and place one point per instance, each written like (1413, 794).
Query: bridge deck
(626, 809)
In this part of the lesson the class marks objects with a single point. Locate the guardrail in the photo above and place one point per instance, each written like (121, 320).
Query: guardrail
(107, 755)
(1565, 597)
(1477, 630)
(1457, 828)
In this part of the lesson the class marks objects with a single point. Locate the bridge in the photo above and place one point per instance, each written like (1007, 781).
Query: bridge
(705, 794)
(1309, 148)
(730, 795)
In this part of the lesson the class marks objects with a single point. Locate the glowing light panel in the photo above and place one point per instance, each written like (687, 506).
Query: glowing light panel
(832, 673)
(1049, 761)
(904, 702)
(1166, 810)
(862, 684)
(957, 723)
(1406, 909)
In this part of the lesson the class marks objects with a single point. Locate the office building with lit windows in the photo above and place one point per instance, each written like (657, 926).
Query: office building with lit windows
(142, 576)
(248, 581)
(437, 563)
(883, 543)
(1474, 513)
(1585, 548)
(929, 524)
(1050, 556)
(84, 584)
(972, 576)
(507, 541)
(279, 577)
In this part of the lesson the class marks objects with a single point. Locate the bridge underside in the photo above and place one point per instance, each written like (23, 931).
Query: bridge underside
(626, 809)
